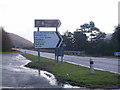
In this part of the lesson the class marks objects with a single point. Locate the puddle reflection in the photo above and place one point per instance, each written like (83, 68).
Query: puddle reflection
(53, 81)
(39, 72)
(49, 76)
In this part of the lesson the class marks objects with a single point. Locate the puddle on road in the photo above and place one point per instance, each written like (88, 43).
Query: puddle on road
(53, 81)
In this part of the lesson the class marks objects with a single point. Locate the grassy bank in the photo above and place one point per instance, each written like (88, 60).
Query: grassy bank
(76, 75)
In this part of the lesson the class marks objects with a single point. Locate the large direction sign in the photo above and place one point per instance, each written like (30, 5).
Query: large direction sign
(47, 23)
(47, 39)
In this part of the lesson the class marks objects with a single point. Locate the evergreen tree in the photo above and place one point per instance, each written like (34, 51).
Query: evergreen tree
(68, 40)
(116, 39)
(80, 41)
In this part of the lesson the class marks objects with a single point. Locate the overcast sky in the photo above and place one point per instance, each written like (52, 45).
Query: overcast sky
(17, 16)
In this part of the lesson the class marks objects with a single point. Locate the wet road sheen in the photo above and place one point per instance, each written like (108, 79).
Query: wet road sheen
(14, 74)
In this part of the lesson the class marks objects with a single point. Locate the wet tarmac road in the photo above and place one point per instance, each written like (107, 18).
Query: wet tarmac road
(14, 74)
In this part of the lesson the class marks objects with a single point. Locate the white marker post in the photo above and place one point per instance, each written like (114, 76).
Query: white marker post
(91, 66)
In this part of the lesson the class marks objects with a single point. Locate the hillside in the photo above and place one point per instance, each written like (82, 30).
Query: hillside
(108, 36)
(19, 41)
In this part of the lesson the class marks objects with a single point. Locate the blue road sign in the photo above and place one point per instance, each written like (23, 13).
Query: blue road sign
(47, 39)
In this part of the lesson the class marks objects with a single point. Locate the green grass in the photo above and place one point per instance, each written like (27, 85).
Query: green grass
(76, 75)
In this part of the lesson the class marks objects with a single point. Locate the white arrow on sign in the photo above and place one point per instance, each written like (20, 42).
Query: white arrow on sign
(47, 39)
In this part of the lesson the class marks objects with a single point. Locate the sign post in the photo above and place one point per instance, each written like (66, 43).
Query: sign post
(47, 39)
(38, 52)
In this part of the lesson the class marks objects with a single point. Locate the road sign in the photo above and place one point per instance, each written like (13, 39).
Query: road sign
(47, 23)
(116, 53)
(47, 39)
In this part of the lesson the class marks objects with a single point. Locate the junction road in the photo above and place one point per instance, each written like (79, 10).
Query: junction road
(105, 64)
(14, 74)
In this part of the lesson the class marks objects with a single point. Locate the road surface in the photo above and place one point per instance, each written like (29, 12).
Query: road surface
(14, 74)
(105, 64)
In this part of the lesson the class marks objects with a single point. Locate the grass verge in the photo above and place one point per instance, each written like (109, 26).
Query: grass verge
(76, 75)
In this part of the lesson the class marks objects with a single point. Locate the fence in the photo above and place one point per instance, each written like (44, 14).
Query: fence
(73, 52)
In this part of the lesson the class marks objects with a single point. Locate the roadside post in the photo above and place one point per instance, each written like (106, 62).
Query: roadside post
(91, 66)
(38, 52)
(47, 39)
(63, 46)
(59, 52)
(56, 50)
(62, 53)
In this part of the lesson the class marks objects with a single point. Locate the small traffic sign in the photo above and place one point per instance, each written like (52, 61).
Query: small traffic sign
(47, 23)
(47, 39)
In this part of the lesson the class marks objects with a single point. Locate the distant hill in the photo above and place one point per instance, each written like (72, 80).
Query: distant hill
(108, 36)
(19, 41)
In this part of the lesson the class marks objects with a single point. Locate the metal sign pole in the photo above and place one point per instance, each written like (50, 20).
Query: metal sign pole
(38, 52)
(38, 56)
(56, 55)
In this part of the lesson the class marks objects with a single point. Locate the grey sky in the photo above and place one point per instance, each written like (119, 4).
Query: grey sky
(17, 16)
